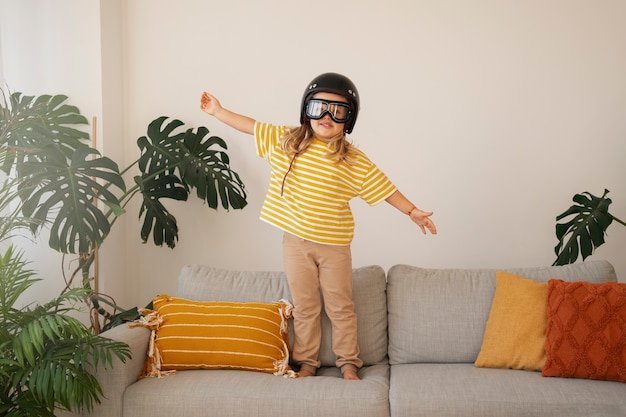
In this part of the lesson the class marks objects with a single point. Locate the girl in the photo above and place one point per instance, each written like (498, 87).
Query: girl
(315, 172)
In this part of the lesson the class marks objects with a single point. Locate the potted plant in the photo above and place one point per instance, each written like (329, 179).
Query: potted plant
(47, 357)
(65, 183)
(584, 230)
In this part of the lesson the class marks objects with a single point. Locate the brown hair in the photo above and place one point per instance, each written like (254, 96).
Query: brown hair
(298, 139)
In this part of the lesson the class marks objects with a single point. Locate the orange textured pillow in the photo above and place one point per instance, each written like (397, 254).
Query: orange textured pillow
(190, 334)
(586, 330)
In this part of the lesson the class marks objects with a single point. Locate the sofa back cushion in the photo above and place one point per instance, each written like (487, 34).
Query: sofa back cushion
(439, 315)
(205, 283)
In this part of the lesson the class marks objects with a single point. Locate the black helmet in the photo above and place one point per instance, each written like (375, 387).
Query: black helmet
(331, 82)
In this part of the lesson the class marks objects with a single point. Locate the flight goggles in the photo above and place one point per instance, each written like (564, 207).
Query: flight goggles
(339, 111)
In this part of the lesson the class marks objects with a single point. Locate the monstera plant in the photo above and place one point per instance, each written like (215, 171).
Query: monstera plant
(69, 186)
(584, 228)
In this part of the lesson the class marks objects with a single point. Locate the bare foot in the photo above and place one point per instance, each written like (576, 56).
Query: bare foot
(304, 373)
(350, 374)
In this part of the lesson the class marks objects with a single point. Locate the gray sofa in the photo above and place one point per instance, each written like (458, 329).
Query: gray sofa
(420, 331)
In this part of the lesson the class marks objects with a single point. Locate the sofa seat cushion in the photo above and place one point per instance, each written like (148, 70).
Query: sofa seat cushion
(228, 393)
(206, 283)
(435, 390)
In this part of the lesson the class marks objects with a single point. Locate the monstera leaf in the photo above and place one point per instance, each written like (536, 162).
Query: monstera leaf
(583, 232)
(208, 170)
(29, 122)
(160, 148)
(172, 164)
(157, 219)
(40, 140)
(66, 192)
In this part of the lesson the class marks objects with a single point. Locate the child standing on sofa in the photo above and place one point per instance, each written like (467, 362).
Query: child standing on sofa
(315, 172)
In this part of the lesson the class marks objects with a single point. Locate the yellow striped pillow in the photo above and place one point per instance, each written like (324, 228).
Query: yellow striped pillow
(217, 335)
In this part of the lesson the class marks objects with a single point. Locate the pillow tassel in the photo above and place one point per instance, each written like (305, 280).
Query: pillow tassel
(286, 312)
(282, 365)
(151, 320)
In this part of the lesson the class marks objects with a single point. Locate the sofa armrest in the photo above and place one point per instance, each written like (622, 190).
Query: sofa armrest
(114, 380)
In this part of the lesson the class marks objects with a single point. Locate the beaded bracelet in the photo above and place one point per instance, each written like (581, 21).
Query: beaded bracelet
(411, 211)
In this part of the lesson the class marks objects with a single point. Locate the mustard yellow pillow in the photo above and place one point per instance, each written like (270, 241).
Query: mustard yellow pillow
(516, 330)
(216, 335)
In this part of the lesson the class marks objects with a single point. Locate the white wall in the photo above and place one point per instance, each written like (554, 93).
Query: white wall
(52, 48)
(493, 114)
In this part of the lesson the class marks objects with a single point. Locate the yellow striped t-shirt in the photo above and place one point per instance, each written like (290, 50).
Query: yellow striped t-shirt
(314, 204)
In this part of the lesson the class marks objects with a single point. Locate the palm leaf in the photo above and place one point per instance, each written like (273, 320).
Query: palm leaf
(584, 231)
(47, 357)
(15, 279)
(11, 219)
(62, 373)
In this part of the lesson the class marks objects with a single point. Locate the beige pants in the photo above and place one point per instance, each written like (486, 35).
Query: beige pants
(310, 267)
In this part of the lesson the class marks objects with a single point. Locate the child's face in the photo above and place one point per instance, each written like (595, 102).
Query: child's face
(326, 129)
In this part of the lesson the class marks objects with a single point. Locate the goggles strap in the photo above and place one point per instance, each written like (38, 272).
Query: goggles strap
(282, 186)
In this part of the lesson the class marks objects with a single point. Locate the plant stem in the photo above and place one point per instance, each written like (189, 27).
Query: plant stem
(618, 220)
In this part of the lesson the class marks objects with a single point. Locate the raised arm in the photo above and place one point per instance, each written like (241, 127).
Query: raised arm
(211, 105)
(419, 217)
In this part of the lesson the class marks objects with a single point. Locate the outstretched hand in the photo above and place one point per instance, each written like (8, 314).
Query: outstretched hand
(422, 219)
(209, 104)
